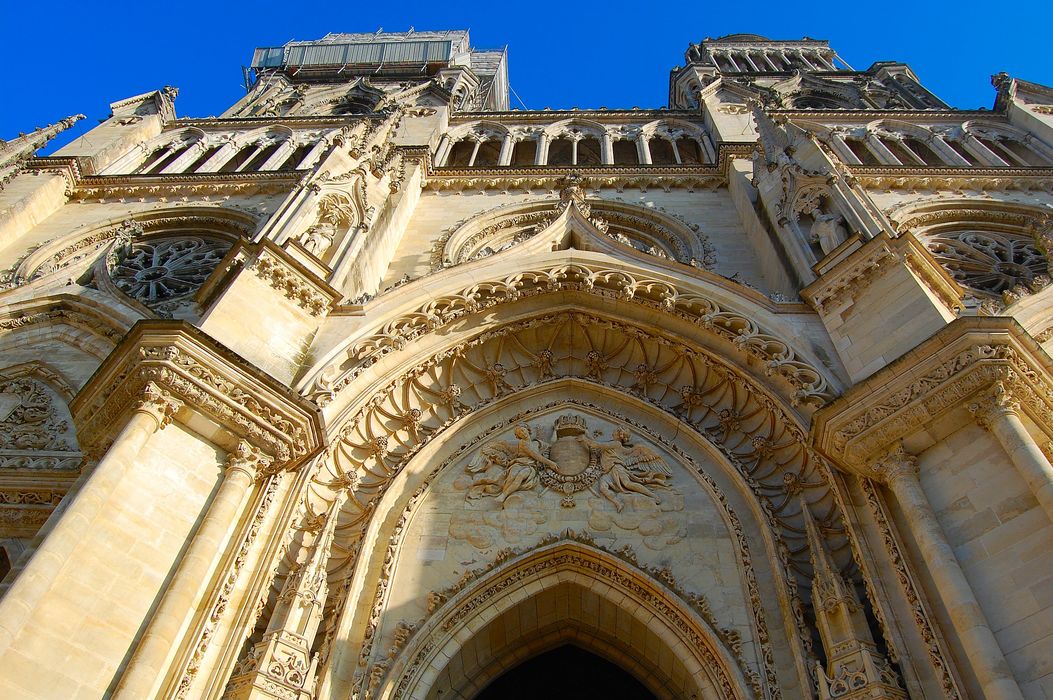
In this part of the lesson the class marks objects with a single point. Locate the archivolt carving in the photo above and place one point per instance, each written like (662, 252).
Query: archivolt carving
(779, 357)
(512, 570)
(438, 598)
(750, 430)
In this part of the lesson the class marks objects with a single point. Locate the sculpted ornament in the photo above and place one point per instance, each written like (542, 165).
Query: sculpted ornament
(35, 429)
(574, 463)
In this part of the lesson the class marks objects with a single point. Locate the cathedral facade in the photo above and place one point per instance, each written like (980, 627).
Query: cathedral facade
(374, 387)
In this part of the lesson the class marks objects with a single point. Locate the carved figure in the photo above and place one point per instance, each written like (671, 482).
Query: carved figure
(627, 468)
(318, 238)
(829, 231)
(572, 462)
(517, 459)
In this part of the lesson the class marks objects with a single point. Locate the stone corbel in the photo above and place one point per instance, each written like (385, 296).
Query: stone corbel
(989, 365)
(173, 371)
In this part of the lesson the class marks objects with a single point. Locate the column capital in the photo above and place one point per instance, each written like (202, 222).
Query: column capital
(250, 460)
(996, 402)
(158, 404)
(894, 465)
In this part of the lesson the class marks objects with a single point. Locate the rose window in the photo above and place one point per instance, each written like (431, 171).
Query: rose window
(167, 270)
(989, 261)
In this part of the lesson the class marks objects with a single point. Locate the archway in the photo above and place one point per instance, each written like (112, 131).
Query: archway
(566, 672)
(566, 592)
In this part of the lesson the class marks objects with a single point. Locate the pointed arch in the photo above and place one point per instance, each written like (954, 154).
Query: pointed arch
(692, 661)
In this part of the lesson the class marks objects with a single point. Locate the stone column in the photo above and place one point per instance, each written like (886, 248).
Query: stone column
(71, 524)
(505, 156)
(999, 413)
(899, 471)
(190, 583)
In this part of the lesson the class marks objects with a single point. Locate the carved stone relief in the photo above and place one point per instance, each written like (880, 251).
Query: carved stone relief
(511, 485)
(36, 431)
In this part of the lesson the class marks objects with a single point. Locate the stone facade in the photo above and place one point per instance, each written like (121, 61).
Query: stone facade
(375, 388)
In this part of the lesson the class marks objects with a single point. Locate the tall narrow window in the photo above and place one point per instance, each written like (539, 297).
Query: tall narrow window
(262, 157)
(168, 160)
(560, 152)
(461, 153)
(202, 159)
(661, 152)
(904, 156)
(690, 153)
(294, 159)
(524, 152)
(862, 152)
(1024, 154)
(152, 159)
(626, 153)
(589, 152)
(488, 154)
(239, 158)
(922, 151)
(959, 148)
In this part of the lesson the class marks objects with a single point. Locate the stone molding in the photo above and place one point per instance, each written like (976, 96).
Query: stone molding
(280, 270)
(810, 382)
(947, 371)
(860, 268)
(211, 381)
(571, 552)
(83, 184)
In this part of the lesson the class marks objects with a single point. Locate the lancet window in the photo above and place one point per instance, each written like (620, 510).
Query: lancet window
(956, 146)
(194, 151)
(574, 144)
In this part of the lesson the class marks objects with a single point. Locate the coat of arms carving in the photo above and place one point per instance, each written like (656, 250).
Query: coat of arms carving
(572, 462)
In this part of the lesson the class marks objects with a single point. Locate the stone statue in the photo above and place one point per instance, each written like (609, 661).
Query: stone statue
(318, 238)
(829, 231)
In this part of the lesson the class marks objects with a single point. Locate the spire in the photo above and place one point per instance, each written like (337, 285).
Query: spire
(15, 153)
(855, 668)
(282, 659)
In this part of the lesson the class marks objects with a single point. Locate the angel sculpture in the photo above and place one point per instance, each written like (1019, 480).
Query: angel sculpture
(517, 458)
(628, 468)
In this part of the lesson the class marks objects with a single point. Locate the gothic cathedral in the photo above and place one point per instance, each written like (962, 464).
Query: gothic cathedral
(375, 388)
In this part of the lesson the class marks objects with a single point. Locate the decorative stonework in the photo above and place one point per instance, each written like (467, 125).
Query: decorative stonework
(991, 262)
(162, 273)
(36, 431)
(171, 356)
(853, 430)
(612, 469)
(778, 355)
(309, 293)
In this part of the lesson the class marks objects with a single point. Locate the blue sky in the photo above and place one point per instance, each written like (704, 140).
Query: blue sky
(66, 57)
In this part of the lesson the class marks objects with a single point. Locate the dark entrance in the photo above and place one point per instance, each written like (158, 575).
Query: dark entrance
(566, 673)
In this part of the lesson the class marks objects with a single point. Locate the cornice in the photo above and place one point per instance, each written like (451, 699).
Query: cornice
(911, 177)
(941, 374)
(871, 114)
(306, 120)
(627, 115)
(114, 186)
(213, 383)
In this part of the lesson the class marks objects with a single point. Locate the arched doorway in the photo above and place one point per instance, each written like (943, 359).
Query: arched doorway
(566, 672)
